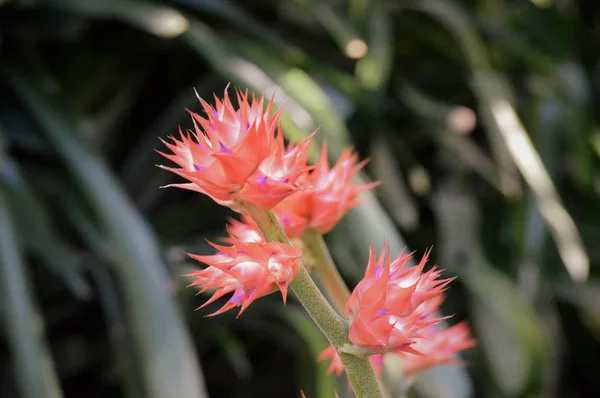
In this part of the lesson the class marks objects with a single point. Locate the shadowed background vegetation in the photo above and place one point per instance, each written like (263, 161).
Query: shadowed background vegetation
(479, 117)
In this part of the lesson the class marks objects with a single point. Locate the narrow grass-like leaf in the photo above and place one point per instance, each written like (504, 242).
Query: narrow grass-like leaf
(508, 136)
(373, 71)
(509, 329)
(33, 365)
(154, 18)
(36, 232)
(161, 340)
(314, 339)
(126, 366)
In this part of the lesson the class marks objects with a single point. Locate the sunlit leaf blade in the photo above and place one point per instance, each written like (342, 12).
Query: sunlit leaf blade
(154, 18)
(33, 366)
(507, 135)
(161, 341)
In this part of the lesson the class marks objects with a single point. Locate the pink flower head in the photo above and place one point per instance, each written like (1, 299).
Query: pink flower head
(392, 303)
(249, 270)
(327, 195)
(438, 346)
(238, 154)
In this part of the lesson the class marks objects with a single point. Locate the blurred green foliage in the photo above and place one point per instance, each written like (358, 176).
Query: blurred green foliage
(479, 119)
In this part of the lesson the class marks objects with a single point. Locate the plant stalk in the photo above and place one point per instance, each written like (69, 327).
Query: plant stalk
(326, 271)
(359, 370)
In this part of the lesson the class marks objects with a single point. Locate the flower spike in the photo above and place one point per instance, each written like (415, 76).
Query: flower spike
(327, 194)
(392, 304)
(237, 154)
(249, 270)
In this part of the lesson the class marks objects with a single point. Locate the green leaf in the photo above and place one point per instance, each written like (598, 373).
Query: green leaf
(34, 368)
(37, 234)
(325, 385)
(509, 139)
(508, 328)
(586, 297)
(374, 70)
(157, 19)
(126, 366)
(161, 340)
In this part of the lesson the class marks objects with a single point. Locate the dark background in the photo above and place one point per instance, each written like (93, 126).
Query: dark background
(92, 303)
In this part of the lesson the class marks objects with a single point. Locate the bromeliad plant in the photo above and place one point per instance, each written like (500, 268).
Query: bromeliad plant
(237, 156)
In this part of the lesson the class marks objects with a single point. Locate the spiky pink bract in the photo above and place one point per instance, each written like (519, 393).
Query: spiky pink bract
(326, 195)
(336, 365)
(249, 270)
(392, 303)
(438, 346)
(237, 154)
(244, 230)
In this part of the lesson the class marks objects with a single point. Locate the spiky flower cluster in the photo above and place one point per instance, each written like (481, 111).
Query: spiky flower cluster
(237, 156)
(393, 312)
(392, 303)
(249, 270)
(437, 346)
(327, 195)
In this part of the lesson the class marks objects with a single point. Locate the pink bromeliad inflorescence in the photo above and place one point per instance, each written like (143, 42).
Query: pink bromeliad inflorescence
(249, 270)
(238, 154)
(392, 312)
(327, 194)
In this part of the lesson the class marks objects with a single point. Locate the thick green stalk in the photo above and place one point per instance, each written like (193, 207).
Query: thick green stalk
(334, 327)
(326, 270)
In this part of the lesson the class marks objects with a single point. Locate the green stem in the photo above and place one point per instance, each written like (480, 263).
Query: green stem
(326, 270)
(359, 370)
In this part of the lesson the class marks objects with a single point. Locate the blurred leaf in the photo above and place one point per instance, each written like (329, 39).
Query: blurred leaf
(235, 352)
(162, 343)
(241, 71)
(126, 366)
(155, 18)
(340, 29)
(34, 367)
(236, 15)
(143, 155)
(508, 137)
(316, 342)
(437, 118)
(509, 329)
(586, 297)
(37, 234)
(393, 191)
(374, 70)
